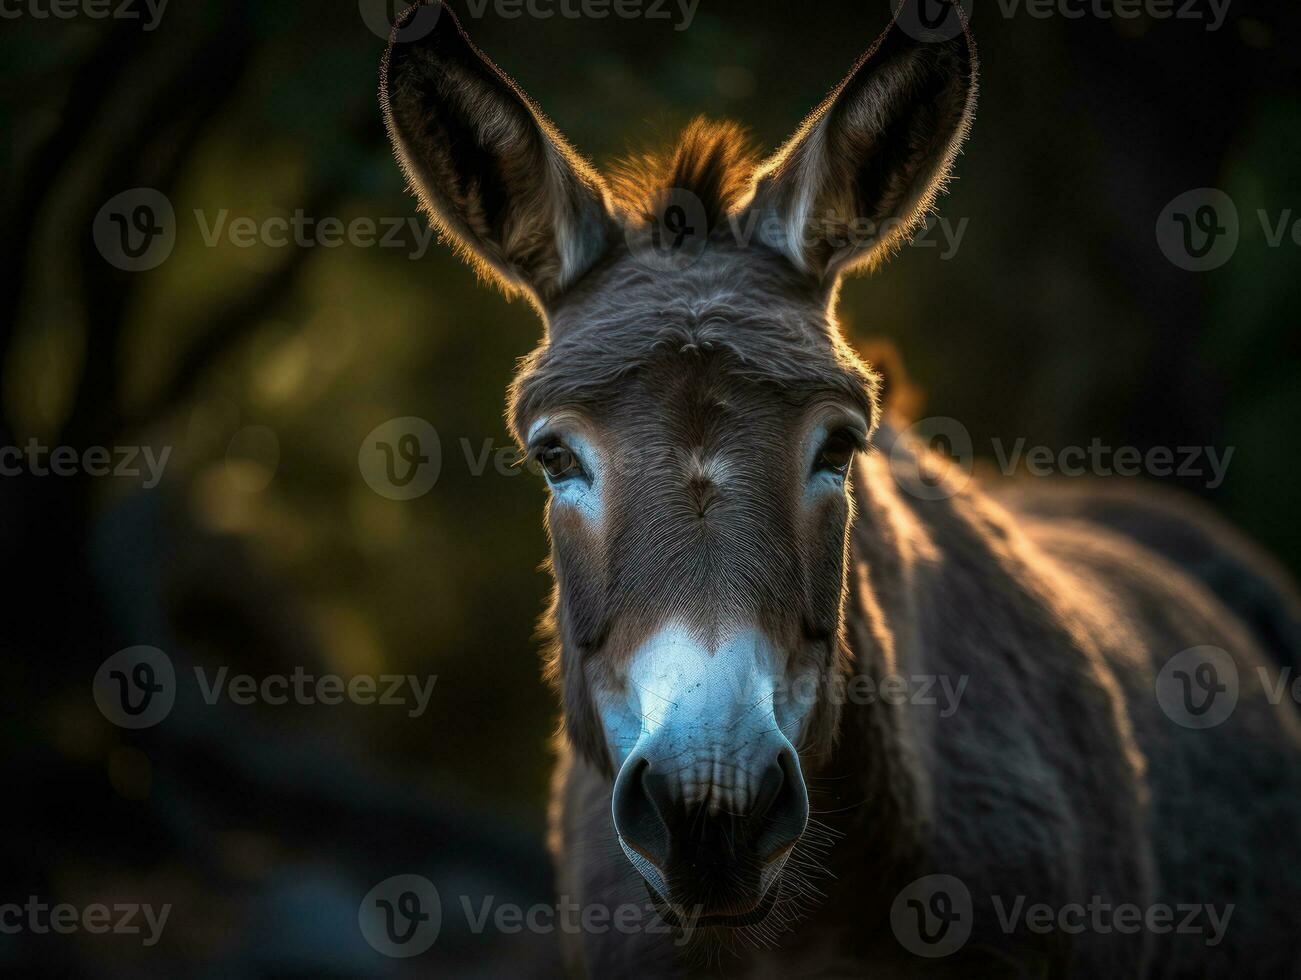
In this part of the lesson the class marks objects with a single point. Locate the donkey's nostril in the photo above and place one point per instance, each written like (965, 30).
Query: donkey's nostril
(691, 850)
(782, 805)
(641, 806)
(770, 787)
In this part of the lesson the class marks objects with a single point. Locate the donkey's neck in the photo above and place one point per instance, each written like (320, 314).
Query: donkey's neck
(882, 768)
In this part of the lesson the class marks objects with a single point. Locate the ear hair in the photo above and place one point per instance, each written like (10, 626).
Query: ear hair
(863, 169)
(489, 168)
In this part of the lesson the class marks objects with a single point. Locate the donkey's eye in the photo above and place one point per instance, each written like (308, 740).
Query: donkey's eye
(559, 462)
(836, 453)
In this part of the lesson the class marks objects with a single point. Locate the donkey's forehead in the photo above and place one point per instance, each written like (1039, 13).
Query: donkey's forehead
(631, 283)
(758, 328)
(704, 363)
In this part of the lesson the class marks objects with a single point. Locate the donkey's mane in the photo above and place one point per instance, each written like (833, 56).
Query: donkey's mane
(712, 159)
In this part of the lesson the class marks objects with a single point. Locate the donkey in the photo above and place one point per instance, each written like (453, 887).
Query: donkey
(758, 578)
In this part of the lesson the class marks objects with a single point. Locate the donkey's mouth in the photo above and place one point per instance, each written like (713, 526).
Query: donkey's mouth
(688, 918)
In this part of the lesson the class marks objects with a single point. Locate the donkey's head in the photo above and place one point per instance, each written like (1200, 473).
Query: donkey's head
(696, 415)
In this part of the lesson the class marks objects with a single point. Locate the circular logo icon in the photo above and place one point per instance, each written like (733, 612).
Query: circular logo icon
(136, 687)
(1198, 687)
(674, 236)
(135, 230)
(401, 459)
(1198, 230)
(931, 20)
(401, 916)
(932, 916)
(399, 22)
(922, 473)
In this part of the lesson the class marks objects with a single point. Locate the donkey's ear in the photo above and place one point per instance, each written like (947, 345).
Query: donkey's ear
(490, 169)
(863, 169)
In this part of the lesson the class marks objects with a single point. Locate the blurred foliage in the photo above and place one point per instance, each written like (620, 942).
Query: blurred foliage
(1023, 332)
(1058, 319)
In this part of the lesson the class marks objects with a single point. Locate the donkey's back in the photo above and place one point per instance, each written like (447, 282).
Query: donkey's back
(1181, 530)
(1129, 736)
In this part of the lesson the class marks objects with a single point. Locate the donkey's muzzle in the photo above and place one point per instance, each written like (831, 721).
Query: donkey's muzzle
(713, 859)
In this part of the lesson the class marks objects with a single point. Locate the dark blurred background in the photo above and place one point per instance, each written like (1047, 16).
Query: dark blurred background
(262, 548)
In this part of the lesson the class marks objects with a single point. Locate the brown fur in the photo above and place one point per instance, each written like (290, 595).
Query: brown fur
(713, 161)
(1059, 778)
